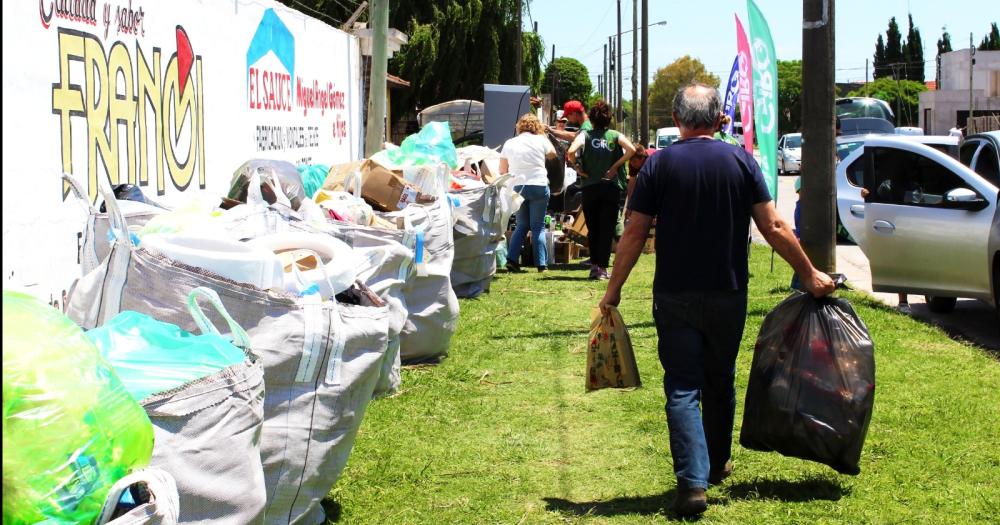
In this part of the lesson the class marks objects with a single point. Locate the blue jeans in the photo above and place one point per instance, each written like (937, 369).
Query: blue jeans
(531, 215)
(699, 336)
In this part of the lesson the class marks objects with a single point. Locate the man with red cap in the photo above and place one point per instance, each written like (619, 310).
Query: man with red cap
(574, 112)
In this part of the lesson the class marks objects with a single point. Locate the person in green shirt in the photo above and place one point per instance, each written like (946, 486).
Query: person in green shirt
(576, 116)
(721, 134)
(602, 154)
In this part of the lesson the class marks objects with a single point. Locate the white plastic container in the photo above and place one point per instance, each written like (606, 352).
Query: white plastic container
(339, 262)
(233, 260)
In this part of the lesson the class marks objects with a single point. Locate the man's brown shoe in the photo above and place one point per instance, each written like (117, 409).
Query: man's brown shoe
(690, 502)
(727, 470)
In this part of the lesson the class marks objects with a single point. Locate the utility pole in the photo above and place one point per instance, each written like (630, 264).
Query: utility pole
(555, 71)
(604, 78)
(972, 62)
(866, 77)
(819, 211)
(635, 69)
(644, 124)
(520, 46)
(610, 80)
(619, 114)
(375, 127)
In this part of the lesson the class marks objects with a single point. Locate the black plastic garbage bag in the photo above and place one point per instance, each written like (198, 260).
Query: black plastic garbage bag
(130, 192)
(556, 167)
(288, 176)
(812, 383)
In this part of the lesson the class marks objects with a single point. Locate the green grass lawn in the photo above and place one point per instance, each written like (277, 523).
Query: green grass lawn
(503, 431)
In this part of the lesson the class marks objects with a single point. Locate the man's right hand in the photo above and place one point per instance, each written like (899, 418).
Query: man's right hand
(819, 284)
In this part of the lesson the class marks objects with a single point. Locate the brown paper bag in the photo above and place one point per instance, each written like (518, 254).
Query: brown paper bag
(610, 360)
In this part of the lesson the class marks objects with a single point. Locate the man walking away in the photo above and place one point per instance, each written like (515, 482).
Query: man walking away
(702, 193)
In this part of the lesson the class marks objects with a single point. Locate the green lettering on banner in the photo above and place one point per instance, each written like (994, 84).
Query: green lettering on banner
(765, 100)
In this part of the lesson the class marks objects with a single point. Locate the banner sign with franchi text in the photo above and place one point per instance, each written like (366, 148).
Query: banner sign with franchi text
(169, 96)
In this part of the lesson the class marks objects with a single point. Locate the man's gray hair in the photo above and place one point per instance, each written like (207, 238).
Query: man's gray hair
(697, 108)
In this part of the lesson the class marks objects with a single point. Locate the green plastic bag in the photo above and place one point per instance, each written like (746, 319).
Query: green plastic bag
(431, 145)
(151, 356)
(70, 429)
(313, 177)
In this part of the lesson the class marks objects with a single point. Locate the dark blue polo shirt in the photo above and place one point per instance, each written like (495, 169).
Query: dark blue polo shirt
(701, 192)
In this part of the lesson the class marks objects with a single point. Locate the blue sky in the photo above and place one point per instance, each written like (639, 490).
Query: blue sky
(706, 30)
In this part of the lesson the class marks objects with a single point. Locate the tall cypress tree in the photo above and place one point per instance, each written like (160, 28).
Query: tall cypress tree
(893, 49)
(991, 42)
(913, 52)
(943, 46)
(879, 67)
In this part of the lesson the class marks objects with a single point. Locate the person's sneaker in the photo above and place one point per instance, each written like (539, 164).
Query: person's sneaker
(904, 308)
(542, 268)
(690, 502)
(595, 272)
(602, 275)
(513, 266)
(717, 478)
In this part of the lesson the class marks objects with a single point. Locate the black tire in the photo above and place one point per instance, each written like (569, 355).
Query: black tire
(940, 305)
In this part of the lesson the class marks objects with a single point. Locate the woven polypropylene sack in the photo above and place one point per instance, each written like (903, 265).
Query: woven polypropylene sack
(478, 231)
(321, 361)
(432, 306)
(208, 436)
(388, 264)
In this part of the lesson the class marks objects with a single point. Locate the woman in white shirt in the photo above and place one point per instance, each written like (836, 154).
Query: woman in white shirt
(524, 157)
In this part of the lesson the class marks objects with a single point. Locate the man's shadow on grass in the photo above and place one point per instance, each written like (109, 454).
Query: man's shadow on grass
(809, 489)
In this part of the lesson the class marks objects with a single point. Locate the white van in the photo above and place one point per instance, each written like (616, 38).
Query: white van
(667, 136)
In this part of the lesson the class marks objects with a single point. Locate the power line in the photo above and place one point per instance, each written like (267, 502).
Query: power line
(594, 32)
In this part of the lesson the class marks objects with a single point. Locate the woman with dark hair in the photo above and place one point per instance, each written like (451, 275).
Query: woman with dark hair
(603, 153)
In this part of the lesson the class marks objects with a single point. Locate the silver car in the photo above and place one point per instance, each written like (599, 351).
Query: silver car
(928, 224)
(790, 153)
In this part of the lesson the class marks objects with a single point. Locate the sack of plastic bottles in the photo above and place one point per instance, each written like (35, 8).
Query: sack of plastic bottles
(812, 383)
(70, 429)
(431, 145)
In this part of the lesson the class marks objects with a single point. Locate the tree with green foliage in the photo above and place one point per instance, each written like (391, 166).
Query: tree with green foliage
(893, 49)
(913, 54)
(789, 96)
(455, 47)
(879, 62)
(902, 95)
(944, 43)
(943, 46)
(668, 80)
(572, 81)
(991, 42)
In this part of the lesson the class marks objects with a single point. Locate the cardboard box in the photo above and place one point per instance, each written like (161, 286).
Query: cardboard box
(565, 252)
(383, 189)
(578, 230)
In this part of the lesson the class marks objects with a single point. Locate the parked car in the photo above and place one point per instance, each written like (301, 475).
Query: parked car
(667, 136)
(864, 107)
(790, 153)
(738, 133)
(930, 224)
(909, 130)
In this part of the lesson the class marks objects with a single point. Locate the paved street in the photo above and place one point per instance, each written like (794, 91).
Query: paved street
(974, 321)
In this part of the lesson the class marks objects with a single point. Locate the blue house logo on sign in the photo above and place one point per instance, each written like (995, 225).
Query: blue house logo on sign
(271, 66)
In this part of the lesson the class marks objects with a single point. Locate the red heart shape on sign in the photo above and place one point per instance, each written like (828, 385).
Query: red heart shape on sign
(185, 57)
